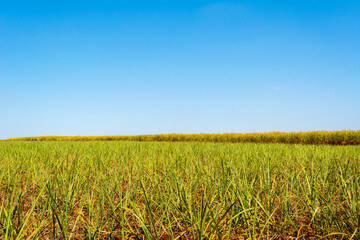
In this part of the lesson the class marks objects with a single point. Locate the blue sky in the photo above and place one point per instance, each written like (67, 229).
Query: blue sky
(143, 67)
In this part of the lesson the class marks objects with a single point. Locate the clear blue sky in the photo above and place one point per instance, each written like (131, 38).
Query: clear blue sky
(143, 67)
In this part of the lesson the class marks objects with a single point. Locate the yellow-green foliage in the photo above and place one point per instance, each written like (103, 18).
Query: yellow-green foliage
(316, 137)
(165, 190)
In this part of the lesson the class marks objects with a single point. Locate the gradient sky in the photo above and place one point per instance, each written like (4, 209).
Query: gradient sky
(143, 67)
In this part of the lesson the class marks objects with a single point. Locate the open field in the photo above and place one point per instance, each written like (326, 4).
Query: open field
(162, 190)
(316, 137)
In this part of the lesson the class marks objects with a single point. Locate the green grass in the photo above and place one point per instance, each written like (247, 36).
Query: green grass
(164, 190)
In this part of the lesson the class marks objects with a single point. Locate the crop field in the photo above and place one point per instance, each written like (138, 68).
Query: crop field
(316, 137)
(178, 190)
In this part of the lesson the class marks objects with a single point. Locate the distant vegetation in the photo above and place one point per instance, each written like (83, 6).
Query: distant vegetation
(316, 137)
(164, 190)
